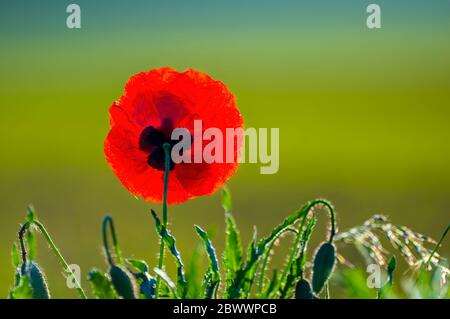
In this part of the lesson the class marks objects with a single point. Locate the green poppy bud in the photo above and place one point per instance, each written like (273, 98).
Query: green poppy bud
(303, 290)
(324, 261)
(123, 282)
(38, 282)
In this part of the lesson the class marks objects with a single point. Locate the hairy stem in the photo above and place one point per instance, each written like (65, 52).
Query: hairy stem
(267, 256)
(22, 233)
(109, 221)
(55, 250)
(166, 147)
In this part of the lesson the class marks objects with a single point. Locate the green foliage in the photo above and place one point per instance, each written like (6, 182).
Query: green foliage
(269, 290)
(295, 266)
(226, 200)
(31, 215)
(386, 290)
(31, 243)
(392, 264)
(211, 280)
(427, 284)
(30, 283)
(352, 282)
(101, 285)
(193, 274)
(15, 258)
(138, 265)
(23, 289)
(169, 282)
(241, 286)
(275, 283)
(140, 271)
(170, 241)
(232, 256)
(129, 278)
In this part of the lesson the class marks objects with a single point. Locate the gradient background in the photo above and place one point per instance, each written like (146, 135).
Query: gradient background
(364, 115)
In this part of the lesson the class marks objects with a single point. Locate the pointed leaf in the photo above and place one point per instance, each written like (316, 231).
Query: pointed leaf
(169, 240)
(226, 200)
(31, 242)
(212, 276)
(392, 264)
(23, 290)
(167, 280)
(139, 265)
(15, 258)
(232, 256)
(193, 274)
(101, 286)
(31, 214)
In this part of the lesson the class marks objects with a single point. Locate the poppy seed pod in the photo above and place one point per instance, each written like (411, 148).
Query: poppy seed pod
(324, 262)
(123, 282)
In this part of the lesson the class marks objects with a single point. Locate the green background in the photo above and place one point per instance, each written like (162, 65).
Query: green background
(363, 115)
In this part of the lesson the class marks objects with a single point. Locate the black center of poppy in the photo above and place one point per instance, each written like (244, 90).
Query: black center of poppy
(152, 141)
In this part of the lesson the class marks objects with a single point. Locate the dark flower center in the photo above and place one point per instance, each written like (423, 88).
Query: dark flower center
(152, 141)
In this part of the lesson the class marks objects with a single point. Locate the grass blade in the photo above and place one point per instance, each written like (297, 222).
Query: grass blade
(437, 245)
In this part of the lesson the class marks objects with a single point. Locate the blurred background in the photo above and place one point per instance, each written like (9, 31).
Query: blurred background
(364, 115)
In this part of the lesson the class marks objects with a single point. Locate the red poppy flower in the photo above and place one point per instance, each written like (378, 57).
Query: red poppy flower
(153, 105)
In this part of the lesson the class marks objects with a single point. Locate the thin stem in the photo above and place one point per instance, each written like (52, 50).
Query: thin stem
(295, 249)
(299, 214)
(437, 245)
(332, 220)
(266, 258)
(166, 147)
(265, 241)
(109, 221)
(55, 250)
(327, 291)
(22, 233)
(303, 213)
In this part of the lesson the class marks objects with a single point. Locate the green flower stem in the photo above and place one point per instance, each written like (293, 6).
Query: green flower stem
(437, 245)
(332, 222)
(424, 265)
(265, 241)
(166, 147)
(267, 256)
(327, 291)
(22, 233)
(299, 214)
(296, 247)
(109, 221)
(55, 250)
